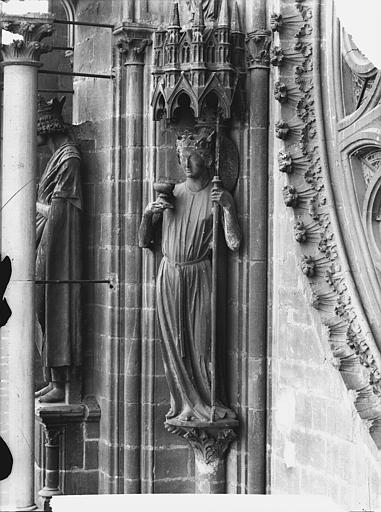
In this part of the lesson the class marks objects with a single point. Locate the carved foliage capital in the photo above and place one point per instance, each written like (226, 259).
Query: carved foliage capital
(208, 444)
(258, 48)
(30, 48)
(52, 436)
(133, 49)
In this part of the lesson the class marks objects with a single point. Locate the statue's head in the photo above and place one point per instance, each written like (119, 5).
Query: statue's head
(50, 119)
(195, 153)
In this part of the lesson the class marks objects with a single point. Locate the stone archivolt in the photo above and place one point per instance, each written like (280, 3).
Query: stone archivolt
(303, 162)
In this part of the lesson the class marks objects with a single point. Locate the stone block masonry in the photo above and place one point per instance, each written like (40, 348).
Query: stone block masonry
(316, 440)
(318, 443)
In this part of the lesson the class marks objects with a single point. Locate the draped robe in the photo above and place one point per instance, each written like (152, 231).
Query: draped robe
(58, 258)
(184, 305)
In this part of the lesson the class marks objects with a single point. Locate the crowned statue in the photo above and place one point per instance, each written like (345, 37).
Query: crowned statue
(58, 256)
(184, 281)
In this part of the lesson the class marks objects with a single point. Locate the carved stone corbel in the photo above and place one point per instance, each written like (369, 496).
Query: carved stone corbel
(210, 445)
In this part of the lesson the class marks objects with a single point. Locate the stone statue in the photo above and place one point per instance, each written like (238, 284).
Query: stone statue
(208, 7)
(184, 279)
(58, 258)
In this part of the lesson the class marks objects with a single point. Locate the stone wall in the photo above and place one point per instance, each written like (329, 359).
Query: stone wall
(123, 366)
(92, 115)
(318, 443)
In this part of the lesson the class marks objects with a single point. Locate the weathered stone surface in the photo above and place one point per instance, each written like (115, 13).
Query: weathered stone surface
(275, 339)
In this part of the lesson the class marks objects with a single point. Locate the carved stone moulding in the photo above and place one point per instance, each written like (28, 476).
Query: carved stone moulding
(348, 335)
(364, 76)
(276, 21)
(200, 64)
(282, 129)
(28, 49)
(277, 56)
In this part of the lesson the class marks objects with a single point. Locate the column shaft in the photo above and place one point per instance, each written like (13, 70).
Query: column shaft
(209, 478)
(133, 191)
(18, 212)
(258, 84)
(258, 281)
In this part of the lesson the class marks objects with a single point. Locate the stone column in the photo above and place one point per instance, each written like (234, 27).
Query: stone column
(258, 42)
(18, 211)
(132, 40)
(52, 465)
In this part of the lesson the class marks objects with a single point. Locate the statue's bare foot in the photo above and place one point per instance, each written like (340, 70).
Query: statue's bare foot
(186, 415)
(43, 390)
(170, 414)
(55, 395)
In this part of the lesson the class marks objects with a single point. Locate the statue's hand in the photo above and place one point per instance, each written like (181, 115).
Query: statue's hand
(222, 197)
(155, 207)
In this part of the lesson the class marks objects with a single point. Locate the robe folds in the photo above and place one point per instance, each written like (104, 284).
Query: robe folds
(58, 239)
(184, 305)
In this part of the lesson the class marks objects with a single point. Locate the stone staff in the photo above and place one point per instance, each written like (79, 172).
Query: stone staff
(215, 212)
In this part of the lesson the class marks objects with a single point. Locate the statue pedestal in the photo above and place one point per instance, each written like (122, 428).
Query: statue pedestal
(210, 442)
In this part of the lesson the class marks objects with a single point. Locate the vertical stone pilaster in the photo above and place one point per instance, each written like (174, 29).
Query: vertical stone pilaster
(52, 467)
(18, 207)
(258, 43)
(132, 41)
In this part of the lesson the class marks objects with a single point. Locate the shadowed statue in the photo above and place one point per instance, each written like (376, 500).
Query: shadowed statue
(58, 258)
(184, 279)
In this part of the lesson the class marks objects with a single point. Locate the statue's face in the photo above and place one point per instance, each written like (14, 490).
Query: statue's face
(42, 140)
(193, 164)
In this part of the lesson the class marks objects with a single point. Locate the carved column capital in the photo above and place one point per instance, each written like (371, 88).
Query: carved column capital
(131, 42)
(52, 436)
(133, 49)
(28, 50)
(258, 49)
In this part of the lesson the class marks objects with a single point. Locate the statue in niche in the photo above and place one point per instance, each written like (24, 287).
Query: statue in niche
(209, 8)
(58, 258)
(184, 278)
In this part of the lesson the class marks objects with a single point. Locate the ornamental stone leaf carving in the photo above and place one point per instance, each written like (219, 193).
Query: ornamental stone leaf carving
(32, 30)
